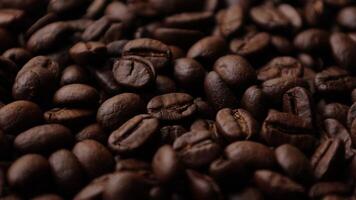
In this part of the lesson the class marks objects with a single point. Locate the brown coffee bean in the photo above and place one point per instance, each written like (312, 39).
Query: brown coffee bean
(155, 51)
(236, 124)
(327, 157)
(203, 186)
(292, 14)
(255, 102)
(19, 56)
(315, 12)
(335, 111)
(285, 128)
(218, 93)
(189, 73)
(196, 148)
(165, 85)
(235, 71)
(190, 20)
(281, 67)
(251, 45)
(74, 74)
(19, 116)
(71, 117)
(93, 132)
(62, 7)
(343, 49)
(322, 189)
(269, 18)
(94, 189)
(134, 72)
(294, 163)
(312, 41)
(282, 44)
(67, 171)
(166, 164)
(76, 95)
(95, 158)
(231, 21)
(106, 80)
(88, 53)
(169, 134)
(277, 186)
(207, 50)
(172, 106)
(30, 173)
(346, 17)
(133, 134)
(116, 110)
(44, 139)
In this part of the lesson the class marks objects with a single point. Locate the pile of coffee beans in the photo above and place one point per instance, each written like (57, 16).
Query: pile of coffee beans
(178, 99)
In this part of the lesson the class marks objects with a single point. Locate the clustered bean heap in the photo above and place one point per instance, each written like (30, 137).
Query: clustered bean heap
(178, 99)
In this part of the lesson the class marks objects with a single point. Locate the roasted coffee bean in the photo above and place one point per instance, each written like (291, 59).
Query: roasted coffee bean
(190, 20)
(132, 164)
(93, 132)
(343, 49)
(235, 71)
(189, 73)
(252, 45)
(155, 51)
(106, 80)
(218, 93)
(134, 72)
(169, 134)
(95, 158)
(255, 102)
(335, 111)
(315, 12)
(96, 29)
(133, 134)
(67, 171)
(236, 124)
(275, 88)
(124, 185)
(172, 106)
(231, 20)
(203, 125)
(285, 128)
(116, 110)
(11, 17)
(281, 67)
(327, 157)
(203, 186)
(74, 74)
(30, 173)
(115, 48)
(71, 117)
(19, 116)
(43, 139)
(334, 80)
(282, 44)
(269, 18)
(298, 102)
(292, 14)
(294, 163)
(19, 56)
(333, 130)
(196, 148)
(165, 85)
(312, 41)
(166, 164)
(94, 189)
(322, 189)
(88, 53)
(277, 186)
(49, 37)
(76, 95)
(346, 17)
(207, 50)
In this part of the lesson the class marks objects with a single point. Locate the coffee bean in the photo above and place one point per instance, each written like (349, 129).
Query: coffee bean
(292, 14)
(133, 134)
(106, 80)
(236, 124)
(196, 148)
(315, 12)
(62, 7)
(189, 73)
(235, 71)
(19, 56)
(170, 133)
(172, 106)
(327, 157)
(93, 132)
(218, 93)
(255, 102)
(190, 20)
(322, 189)
(43, 139)
(277, 186)
(95, 158)
(294, 163)
(336, 111)
(343, 49)
(166, 164)
(281, 67)
(281, 44)
(254, 44)
(71, 117)
(346, 17)
(134, 72)
(269, 18)
(153, 50)
(67, 171)
(165, 85)
(74, 74)
(30, 173)
(231, 20)
(312, 41)
(94, 189)
(203, 186)
(207, 49)
(116, 110)
(84, 53)
(76, 95)
(19, 116)
(285, 128)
